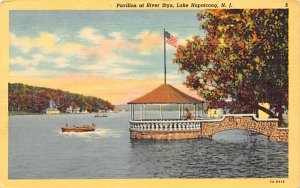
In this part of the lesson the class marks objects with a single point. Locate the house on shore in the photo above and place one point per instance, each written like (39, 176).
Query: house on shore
(73, 110)
(52, 109)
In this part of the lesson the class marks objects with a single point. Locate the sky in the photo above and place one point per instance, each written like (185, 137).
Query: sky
(114, 55)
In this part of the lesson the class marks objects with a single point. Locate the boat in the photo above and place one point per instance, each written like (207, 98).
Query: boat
(84, 128)
(101, 115)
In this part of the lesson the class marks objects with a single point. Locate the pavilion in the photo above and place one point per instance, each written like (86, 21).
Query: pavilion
(163, 128)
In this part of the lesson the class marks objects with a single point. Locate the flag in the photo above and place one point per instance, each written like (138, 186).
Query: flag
(171, 39)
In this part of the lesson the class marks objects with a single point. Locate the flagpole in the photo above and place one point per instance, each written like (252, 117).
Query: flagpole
(165, 66)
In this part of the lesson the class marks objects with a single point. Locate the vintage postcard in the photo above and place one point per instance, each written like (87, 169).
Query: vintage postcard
(149, 93)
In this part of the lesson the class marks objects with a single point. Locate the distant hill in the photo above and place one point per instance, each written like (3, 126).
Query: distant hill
(34, 99)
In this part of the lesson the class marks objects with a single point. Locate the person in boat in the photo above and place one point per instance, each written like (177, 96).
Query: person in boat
(67, 125)
(93, 125)
(189, 114)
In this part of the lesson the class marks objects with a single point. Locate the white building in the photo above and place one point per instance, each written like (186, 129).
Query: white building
(73, 110)
(52, 109)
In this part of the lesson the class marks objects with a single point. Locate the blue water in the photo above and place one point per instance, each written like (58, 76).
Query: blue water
(38, 149)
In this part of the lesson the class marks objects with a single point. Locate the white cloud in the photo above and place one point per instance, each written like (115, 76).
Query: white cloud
(113, 67)
(105, 56)
(116, 35)
(148, 41)
(89, 33)
(144, 43)
(35, 60)
(24, 43)
(47, 42)
(20, 61)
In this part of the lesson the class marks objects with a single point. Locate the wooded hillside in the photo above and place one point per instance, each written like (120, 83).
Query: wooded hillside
(33, 99)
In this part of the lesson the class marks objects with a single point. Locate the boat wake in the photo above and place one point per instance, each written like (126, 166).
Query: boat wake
(98, 133)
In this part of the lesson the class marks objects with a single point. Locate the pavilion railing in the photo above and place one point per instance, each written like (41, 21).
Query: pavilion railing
(165, 125)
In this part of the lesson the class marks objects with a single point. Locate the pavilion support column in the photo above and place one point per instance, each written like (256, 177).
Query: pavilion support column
(142, 106)
(141, 112)
(200, 111)
(195, 110)
(133, 112)
(161, 112)
(130, 111)
(144, 111)
(179, 111)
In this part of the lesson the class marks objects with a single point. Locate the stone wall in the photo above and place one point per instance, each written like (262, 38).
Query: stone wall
(238, 122)
(249, 122)
(267, 127)
(165, 135)
(280, 134)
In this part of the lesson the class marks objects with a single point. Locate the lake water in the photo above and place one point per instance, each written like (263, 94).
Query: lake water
(39, 150)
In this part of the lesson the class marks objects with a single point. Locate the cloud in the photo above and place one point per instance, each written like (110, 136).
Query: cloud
(23, 43)
(37, 59)
(105, 54)
(148, 41)
(116, 35)
(47, 42)
(24, 62)
(144, 43)
(90, 35)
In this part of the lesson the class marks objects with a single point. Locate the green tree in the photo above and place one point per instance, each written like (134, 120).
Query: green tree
(243, 58)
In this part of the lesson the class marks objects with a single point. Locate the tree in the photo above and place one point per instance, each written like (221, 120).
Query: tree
(243, 59)
(74, 106)
(88, 107)
(36, 99)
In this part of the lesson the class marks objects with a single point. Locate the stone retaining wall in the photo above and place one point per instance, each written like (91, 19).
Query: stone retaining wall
(280, 134)
(249, 122)
(238, 122)
(267, 127)
(165, 135)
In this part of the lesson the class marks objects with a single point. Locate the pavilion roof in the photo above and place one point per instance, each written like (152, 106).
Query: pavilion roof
(165, 93)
